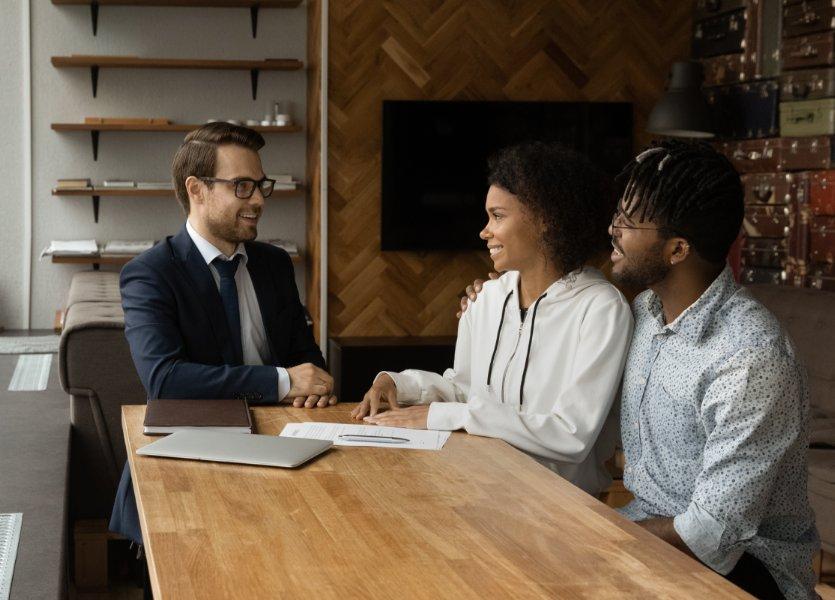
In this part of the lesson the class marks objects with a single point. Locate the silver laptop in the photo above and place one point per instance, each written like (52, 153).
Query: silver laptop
(217, 446)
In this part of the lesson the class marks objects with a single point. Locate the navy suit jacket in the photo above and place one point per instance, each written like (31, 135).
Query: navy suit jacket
(176, 328)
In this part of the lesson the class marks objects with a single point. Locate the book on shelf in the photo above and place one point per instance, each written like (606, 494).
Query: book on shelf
(73, 184)
(284, 182)
(71, 248)
(290, 247)
(126, 247)
(282, 178)
(118, 183)
(154, 185)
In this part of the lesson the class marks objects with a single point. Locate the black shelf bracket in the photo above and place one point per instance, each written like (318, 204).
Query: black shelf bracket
(94, 77)
(253, 16)
(254, 76)
(96, 266)
(94, 134)
(96, 208)
(94, 15)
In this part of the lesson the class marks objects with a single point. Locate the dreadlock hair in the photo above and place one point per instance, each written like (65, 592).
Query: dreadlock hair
(688, 189)
(564, 190)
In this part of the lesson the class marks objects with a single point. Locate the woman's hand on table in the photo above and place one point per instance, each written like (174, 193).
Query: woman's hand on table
(412, 417)
(382, 390)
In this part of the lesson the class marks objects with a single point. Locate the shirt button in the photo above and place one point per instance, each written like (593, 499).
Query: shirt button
(627, 469)
(642, 380)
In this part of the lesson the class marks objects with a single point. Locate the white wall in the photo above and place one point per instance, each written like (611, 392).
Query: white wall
(12, 164)
(64, 95)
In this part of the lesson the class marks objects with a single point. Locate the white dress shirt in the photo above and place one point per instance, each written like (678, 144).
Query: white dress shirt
(253, 335)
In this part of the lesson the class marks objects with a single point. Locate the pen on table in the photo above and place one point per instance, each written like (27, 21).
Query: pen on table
(384, 439)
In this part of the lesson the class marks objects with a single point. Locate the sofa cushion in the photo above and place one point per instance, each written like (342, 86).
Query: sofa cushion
(88, 316)
(94, 286)
(809, 318)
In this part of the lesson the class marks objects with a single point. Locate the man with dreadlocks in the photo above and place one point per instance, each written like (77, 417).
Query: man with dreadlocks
(714, 411)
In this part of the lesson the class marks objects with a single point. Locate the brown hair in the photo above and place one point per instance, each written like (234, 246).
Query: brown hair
(198, 153)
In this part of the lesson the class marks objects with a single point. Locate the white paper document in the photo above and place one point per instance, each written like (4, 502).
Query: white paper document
(415, 439)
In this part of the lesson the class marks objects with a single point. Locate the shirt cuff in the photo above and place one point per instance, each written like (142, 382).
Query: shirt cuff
(408, 391)
(447, 416)
(702, 533)
(283, 383)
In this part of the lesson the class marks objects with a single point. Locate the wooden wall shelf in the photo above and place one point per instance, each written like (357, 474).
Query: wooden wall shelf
(252, 5)
(97, 193)
(94, 63)
(97, 261)
(96, 128)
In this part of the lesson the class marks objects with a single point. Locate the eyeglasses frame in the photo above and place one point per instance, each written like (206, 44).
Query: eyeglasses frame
(238, 180)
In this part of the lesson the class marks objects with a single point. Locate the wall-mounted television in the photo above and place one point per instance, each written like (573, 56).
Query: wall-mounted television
(434, 166)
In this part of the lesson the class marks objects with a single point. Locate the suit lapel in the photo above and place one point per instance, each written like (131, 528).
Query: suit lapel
(197, 273)
(266, 293)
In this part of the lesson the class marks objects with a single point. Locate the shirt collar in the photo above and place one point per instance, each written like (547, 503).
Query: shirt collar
(208, 251)
(697, 317)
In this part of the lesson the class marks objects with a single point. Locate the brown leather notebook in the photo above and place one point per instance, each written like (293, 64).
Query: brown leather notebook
(168, 416)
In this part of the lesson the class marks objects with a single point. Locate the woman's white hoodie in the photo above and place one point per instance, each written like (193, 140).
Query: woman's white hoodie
(545, 385)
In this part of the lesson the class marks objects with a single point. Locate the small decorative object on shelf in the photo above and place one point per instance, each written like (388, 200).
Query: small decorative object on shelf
(94, 63)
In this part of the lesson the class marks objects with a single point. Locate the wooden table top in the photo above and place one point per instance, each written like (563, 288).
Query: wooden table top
(476, 519)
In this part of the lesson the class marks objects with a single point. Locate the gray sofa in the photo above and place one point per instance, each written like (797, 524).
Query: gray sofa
(98, 373)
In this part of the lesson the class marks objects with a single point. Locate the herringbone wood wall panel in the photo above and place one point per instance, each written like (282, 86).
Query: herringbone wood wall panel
(462, 50)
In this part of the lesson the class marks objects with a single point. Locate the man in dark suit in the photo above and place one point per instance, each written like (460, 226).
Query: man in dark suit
(210, 313)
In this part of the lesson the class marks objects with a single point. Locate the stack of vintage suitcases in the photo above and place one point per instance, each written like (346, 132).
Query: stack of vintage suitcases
(770, 80)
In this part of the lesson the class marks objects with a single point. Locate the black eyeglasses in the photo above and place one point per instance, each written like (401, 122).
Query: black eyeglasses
(245, 186)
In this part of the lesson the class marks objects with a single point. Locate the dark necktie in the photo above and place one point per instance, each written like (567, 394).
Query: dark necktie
(229, 295)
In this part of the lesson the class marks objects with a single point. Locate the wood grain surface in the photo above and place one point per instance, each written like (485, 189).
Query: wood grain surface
(171, 127)
(477, 519)
(193, 3)
(137, 62)
(142, 192)
(571, 50)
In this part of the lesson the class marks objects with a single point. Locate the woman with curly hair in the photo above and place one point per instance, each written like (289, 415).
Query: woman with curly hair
(540, 352)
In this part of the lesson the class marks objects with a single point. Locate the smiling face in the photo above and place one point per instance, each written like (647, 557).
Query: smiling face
(224, 219)
(511, 234)
(638, 255)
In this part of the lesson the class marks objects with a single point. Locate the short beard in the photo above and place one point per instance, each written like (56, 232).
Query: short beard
(646, 271)
(228, 232)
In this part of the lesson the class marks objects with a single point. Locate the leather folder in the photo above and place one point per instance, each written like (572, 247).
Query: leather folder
(167, 416)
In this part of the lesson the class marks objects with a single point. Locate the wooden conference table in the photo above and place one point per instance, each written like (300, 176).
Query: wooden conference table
(477, 519)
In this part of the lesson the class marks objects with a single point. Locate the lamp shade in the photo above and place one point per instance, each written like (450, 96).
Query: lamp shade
(682, 111)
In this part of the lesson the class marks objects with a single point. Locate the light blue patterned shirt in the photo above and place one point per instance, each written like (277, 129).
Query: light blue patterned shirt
(714, 422)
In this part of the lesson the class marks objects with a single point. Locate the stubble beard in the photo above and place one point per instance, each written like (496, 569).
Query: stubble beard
(644, 272)
(231, 232)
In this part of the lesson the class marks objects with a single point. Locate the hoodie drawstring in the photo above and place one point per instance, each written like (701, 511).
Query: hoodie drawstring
(528, 354)
(498, 335)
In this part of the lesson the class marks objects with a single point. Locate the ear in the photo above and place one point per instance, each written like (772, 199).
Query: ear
(196, 190)
(678, 249)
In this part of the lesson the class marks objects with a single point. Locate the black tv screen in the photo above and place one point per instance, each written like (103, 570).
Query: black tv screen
(434, 170)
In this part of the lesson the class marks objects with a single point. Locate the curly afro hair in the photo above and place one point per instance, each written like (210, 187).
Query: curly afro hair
(563, 190)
